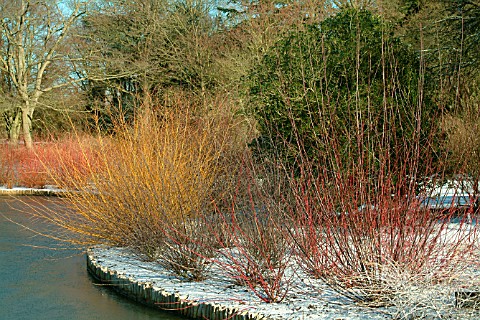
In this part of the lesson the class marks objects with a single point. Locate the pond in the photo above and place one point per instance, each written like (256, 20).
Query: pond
(38, 282)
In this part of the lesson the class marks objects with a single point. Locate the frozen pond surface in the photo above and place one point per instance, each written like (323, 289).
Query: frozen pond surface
(39, 283)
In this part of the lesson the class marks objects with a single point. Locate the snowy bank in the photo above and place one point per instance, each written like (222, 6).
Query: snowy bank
(215, 298)
(20, 191)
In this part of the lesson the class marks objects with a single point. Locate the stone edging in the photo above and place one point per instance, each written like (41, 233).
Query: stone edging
(146, 293)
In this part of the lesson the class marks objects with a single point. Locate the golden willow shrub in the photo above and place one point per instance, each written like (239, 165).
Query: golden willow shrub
(143, 179)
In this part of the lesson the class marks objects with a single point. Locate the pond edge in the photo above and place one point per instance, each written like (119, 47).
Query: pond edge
(30, 192)
(145, 293)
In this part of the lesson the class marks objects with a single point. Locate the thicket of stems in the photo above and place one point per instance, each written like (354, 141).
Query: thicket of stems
(345, 205)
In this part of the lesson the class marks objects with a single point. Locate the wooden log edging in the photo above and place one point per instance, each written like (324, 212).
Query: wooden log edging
(30, 192)
(146, 293)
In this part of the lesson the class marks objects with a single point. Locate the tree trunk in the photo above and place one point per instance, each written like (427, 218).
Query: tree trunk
(13, 123)
(27, 114)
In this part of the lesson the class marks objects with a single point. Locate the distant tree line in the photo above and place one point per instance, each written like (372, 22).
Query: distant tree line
(97, 57)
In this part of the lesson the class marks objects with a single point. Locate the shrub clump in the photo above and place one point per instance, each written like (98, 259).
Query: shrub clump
(344, 76)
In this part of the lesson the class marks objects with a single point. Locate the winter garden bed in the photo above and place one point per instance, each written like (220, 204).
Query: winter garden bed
(303, 302)
(307, 298)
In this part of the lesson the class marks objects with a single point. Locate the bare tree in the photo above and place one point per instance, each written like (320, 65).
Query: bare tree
(34, 57)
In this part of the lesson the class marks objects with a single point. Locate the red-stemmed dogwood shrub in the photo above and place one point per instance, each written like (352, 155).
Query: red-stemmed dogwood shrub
(254, 249)
(358, 247)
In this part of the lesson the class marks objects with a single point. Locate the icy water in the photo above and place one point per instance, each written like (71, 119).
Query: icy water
(37, 282)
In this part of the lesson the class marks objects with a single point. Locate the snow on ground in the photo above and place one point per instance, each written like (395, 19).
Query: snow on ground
(23, 190)
(305, 300)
